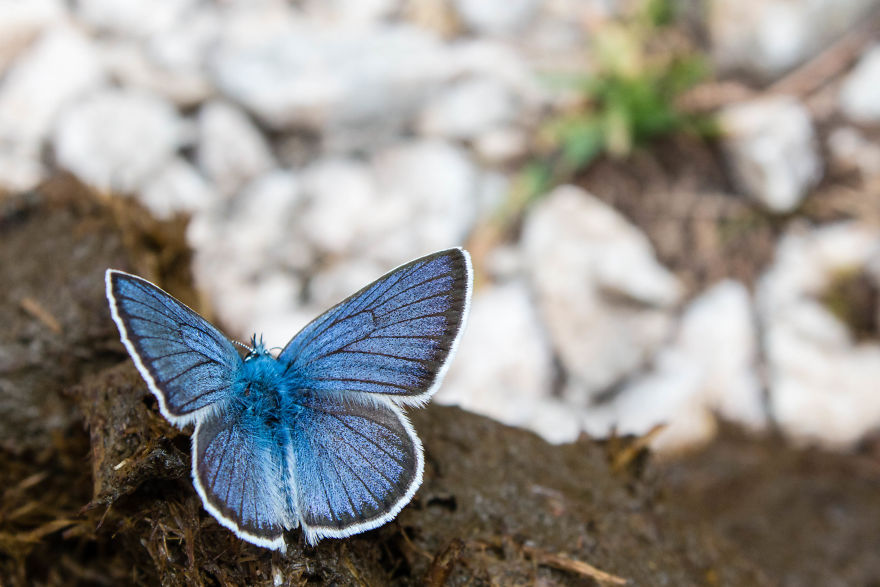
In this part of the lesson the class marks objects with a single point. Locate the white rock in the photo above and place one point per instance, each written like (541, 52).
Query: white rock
(806, 262)
(467, 108)
(860, 93)
(117, 139)
(851, 150)
(429, 191)
(503, 262)
(340, 197)
(20, 169)
(358, 12)
(358, 87)
(493, 192)
(822, 389)
(504, 367)
(61, 66)
(411, 199)
(496, 17)
(246, 23)
(481, 58)
(274, 307)
(231, 149)
(336, 282)
(134, 66)
(772, 149)
(176, 188)
(823, 386)
(502, 145)
(254, 230)
(22, 22)
(709, 368)
(604, 297)
(766, 38)
(667, 395)
(134, 18)
(718, 333)
(249, 262)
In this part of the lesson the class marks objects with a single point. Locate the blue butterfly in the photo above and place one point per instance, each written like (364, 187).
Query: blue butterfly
(315, 437)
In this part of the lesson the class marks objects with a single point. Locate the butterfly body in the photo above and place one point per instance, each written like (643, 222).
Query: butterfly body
(313, 437)
(262, 387)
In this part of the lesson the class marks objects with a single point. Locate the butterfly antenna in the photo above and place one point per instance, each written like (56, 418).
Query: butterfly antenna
(242, 345)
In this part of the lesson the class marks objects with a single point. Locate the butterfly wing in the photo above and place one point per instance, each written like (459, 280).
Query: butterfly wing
(355, 464)
(240, 471)
(187, 363)
(395, 337)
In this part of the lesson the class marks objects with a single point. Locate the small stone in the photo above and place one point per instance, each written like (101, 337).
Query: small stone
(429, 192)
(118, 139)
(254, 229)
(502, 145)
(467, 109)
(605, 299)
(249, 259)
(823, 385)
(352, 12)
(860, 93)
(497, 17)
(57, 69)
(339, 201)
(504, 368)
(709, 368)
(766, 38)
(134, 18)
(487, 59)
(22, 22)
(358, 89)
(177, 187)
(231, 149)
(137, 68)
(772, 149)
(851, 150)
(341, 279)
(20, 168)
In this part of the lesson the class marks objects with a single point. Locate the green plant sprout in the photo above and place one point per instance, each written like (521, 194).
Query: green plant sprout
(641, 64)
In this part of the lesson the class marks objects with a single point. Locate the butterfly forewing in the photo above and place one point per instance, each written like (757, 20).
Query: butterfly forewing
(355, 464)
(187, 363)
(394, 337)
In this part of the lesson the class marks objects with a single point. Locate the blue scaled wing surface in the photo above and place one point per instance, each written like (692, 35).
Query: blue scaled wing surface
(239, 471)
(187, 363)
(393, 338)
(356, 465)
(357, 460)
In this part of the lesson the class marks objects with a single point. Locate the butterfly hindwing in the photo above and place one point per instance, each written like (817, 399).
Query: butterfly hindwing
(393, 337)
(356, 464)
(187, 363)
(239, 471)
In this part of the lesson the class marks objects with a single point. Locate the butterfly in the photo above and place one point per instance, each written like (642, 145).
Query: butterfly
(315, 437)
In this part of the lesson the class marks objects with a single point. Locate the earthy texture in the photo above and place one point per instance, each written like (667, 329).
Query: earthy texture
(96, 486)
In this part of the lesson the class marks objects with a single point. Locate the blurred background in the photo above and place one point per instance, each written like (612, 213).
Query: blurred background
(673, 206)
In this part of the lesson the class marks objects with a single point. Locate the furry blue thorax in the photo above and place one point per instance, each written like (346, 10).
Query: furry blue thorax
(262, 388)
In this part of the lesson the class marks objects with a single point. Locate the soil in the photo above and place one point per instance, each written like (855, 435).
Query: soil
(96, 488)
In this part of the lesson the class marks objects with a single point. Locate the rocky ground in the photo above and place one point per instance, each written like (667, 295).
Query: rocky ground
(97, 488)
(292, 152)
(317, 145)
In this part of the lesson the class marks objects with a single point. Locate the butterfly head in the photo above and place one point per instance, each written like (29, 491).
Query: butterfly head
(257, 348)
